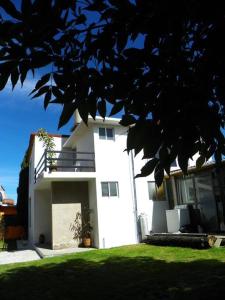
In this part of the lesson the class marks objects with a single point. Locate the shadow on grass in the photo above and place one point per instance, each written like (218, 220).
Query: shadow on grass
(116, 278)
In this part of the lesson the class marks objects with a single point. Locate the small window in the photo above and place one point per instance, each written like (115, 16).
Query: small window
(110, 189)
(106, 133)
(155, 193)
(1, 198)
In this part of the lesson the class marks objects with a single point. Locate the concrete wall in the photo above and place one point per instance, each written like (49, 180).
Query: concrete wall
(42, 216)
(68, 199)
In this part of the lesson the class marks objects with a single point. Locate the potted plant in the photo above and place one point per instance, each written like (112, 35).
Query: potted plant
(49, 145)
(82, 227)
(86, 234)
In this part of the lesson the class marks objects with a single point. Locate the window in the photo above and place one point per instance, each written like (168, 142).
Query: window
(106, 133)
(110, 189)
(185, 190)
(155, 193)
(1, 198)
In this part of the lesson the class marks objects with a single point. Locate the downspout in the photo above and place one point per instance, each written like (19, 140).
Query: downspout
(135, 198)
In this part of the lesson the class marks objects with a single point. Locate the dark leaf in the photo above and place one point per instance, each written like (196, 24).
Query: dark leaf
(92, 105)
(121, 41)
(3, 80)
(42, 81)
(14, 77)
(81, 19)
(26, 8)
(218, 157)
(200, 161)
(148, 168)
(47, 99)
(117, 107)
(102, 108)
(39, 59)
(56, 92)
(23, 67)
(96, 5)
(183, 162)
(67, 113)
(127, 120)
(59, 80)
(9, 7)
(41, 91)
(159, 175)
(83, 111)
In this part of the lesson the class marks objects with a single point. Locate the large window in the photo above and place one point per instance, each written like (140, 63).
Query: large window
(185, 190)
(110, 189)
(106, 133)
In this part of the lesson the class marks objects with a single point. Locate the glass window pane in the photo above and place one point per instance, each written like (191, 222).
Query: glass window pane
(105, 189)
(102, 133)
(109, 133)
(152, 190)
(185, 190)
(113, 188)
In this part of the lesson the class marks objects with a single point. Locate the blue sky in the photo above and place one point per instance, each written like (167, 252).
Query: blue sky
(20, 116)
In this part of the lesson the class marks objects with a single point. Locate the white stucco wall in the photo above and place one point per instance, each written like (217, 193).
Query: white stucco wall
(36, 154)
(153, 209)
(84, 141)
(116, 216)
(42, 216)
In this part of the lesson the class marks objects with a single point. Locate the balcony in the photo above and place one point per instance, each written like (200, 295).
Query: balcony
(65, 161)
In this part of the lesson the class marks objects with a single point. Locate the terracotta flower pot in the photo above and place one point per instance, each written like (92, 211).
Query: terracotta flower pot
(87, 242)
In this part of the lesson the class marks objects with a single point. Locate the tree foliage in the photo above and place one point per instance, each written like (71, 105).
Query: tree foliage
(160, 63)
(23, 193)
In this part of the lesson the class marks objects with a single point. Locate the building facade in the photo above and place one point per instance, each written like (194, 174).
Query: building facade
(93, 171)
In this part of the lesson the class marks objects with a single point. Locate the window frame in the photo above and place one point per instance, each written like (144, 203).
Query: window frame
(106, 136)
(109, 189)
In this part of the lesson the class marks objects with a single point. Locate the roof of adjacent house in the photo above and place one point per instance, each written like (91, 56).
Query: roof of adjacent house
(194, 169)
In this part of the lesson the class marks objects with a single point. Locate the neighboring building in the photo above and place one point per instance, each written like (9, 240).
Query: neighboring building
(94, 171)
(196, 199)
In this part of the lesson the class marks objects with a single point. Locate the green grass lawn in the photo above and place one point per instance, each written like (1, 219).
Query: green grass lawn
(132, 272)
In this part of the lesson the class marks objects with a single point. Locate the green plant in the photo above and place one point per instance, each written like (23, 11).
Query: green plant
(82, 225)
(48, 144)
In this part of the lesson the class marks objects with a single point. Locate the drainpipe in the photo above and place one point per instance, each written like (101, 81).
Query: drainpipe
(135, 198)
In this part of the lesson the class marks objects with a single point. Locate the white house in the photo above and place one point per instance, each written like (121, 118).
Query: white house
(92, 170)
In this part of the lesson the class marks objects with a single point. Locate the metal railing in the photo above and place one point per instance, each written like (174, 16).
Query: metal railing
(65, 161)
